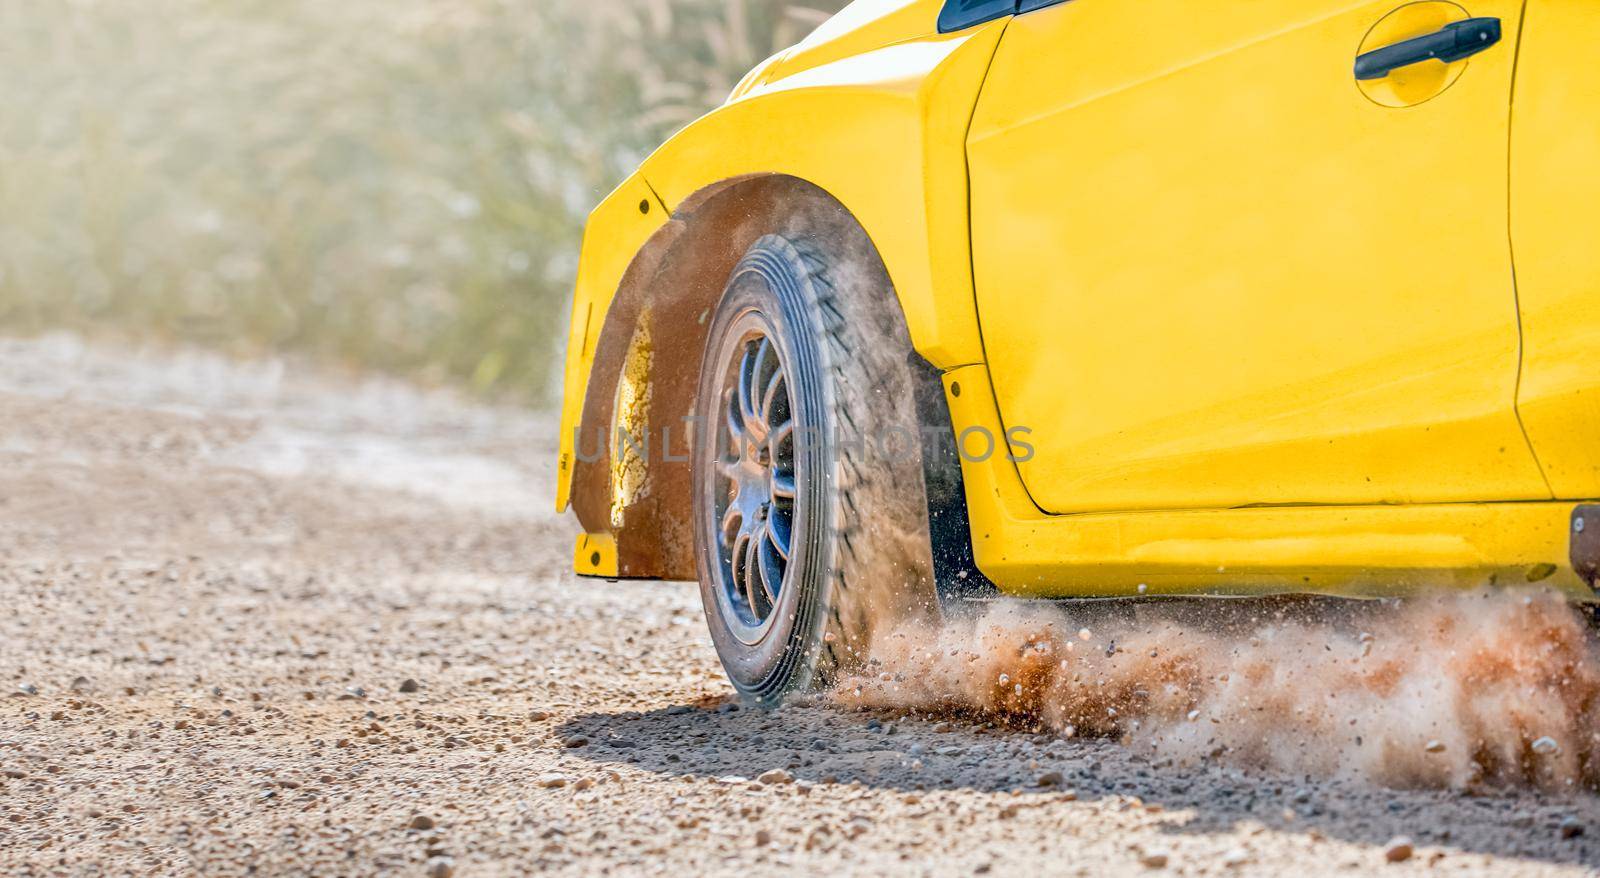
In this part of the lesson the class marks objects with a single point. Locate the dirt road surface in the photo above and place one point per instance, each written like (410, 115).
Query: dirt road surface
(262, 620)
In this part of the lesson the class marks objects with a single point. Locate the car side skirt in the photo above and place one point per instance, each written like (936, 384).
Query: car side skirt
(1353, 551)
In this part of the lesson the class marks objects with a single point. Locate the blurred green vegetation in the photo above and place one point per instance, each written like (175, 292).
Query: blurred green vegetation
(398, 184)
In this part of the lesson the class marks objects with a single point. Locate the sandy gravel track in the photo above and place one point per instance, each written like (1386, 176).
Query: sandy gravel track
(260, 620)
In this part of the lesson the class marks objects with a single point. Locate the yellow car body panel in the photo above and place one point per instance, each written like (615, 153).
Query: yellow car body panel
(859, 28)
(882, 132)
(617, 228)
(1212, 272)
(897, 110)
(1262, 321)
(1555, 233)
(1355, 551)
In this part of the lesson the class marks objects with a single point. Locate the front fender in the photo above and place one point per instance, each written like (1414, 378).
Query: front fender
(882, 133)
(613, 241)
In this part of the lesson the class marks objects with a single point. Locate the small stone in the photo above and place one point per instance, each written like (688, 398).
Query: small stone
(552, 781)
(763, 837)
(1235, 858)
(582, 783)
(1153, 859)
(1051, 779)
(409, 686)
(1398, 850)
(775, 776)
(422, 821)
(1571, 827)
(441, 867)
(1546, 746)
(574, 742)
(1434, 747)
(80, 683)
(27, 689)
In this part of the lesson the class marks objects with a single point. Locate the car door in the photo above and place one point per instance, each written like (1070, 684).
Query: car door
(1214, 269)
(1555, 230)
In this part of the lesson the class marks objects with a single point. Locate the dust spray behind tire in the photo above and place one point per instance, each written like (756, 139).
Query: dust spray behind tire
(1461, 690)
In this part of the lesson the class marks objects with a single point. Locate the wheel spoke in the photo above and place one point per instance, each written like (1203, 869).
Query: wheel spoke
(758, 373)
(730, 520)
(769, 397)
(752, 587)
(771, 571)
(780, 434)
(735, 421)
(751, 421)
(778, 533)
(737, 566)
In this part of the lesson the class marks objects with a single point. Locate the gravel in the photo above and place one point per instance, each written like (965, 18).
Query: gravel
(1398, 850)
(220, 578)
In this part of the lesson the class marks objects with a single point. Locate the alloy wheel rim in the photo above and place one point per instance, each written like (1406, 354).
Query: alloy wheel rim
(755, 492)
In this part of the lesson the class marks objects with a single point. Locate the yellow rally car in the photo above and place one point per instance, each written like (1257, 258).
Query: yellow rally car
(1096, 298)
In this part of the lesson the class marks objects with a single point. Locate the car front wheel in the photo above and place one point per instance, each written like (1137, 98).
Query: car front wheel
(810, 512)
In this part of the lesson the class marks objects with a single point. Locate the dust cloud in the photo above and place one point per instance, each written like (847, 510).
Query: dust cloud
(1464, 690)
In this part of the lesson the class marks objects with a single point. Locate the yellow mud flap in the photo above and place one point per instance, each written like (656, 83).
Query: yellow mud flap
(596, 555)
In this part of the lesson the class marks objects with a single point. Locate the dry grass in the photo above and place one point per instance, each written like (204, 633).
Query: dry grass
(394, 183)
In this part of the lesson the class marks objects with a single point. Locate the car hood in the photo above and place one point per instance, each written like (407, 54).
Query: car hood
(861, 27)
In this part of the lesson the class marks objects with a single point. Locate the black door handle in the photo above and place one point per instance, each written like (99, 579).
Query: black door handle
(1455, 41)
